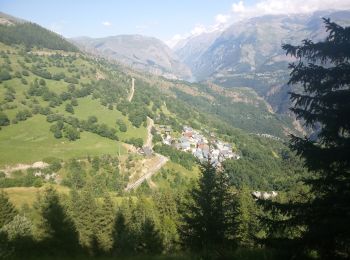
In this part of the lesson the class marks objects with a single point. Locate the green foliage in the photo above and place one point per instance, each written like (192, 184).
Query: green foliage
(56, 227)
(207, 217)
(25, 73)
(246, 225)
(4, 75)
(69, 108)
(319, 219)
(30, 35)
(23, 115)
(187, 160)
(104, 224)
(135, 229)
(4, 120)
(24, 81)
(122, 126)
(18, 227)
(76, 176)
(71, 133)
(71, 80)
(84, 212)
(7, 210)
(138, 142)
(42, 82)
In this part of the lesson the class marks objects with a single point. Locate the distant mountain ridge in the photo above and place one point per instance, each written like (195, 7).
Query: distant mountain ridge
(140, 52)
(249, 53)
(253, 44)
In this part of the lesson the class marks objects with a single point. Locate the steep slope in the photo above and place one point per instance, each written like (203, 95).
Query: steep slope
(67, 105)
(17, 31)
(140, 52)
(249, 53)
(191, 49)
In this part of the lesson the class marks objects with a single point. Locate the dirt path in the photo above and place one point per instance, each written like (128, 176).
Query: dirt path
(149, 172)
(150, 124)
(22, 167)
(161, 160)
(132, 89)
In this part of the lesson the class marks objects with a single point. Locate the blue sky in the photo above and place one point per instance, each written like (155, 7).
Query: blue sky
(168, 20)
(162, 18)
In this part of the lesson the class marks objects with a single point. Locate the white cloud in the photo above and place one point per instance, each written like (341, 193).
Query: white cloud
(240, 11)
(237, 8)
(263, 7)
(222, 18)
(198, 29)
(106, 23)
(176, 39)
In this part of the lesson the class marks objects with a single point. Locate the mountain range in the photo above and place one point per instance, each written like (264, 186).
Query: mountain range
(246, 54)
(249, 53)
(139, 52)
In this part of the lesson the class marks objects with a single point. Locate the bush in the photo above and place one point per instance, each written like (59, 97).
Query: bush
(4, 75)
(58, 76)
(24, 81)
(92, 119)
(138, 142)
(42, 82)
(23, 115)
(71, 133)
(4, 120)
(71, 80)
(25, 73)
(122, 125)
(74, 102)
(69, 108)
(123, 128)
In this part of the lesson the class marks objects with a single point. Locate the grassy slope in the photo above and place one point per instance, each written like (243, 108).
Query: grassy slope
(20, 196)
(31, 140)
(90, 107)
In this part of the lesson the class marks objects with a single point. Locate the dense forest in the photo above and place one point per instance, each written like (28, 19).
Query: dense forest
(32, 35)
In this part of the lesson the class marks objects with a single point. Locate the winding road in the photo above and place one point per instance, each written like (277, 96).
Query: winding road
(162, 160)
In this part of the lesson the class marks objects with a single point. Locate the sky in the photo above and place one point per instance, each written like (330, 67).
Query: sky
(168, 20)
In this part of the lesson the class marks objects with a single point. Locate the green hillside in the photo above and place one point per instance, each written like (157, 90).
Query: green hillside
(68, 105)
(32, 35)
(31, 141)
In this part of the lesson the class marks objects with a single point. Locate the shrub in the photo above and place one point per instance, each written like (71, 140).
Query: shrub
(4, 120)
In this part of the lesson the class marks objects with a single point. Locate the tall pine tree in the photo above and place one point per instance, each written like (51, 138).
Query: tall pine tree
(59, 233)
(7, 210)
(207, 217)
(323, 70)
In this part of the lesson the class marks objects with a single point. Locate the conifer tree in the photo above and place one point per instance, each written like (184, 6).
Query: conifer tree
(323, 71)
(245, 219)
(7, 210)
(123, 236)
(104, 224)
(207, 218)
(58, 230)
(150, 238)
(83, 210)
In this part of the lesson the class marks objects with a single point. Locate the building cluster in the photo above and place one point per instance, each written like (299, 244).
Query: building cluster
(194, 142)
